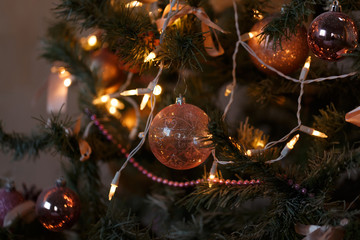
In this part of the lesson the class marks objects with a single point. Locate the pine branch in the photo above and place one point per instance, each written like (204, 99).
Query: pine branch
(285, 26)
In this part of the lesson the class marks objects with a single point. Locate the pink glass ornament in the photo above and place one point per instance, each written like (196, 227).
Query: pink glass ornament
(9, 198)
(176, 136)
(58, 208)
(332, 34)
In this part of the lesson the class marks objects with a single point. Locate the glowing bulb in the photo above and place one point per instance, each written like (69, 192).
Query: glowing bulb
(61, 70)
(112, 191)
(129, 92)
(67, 82)
(92, 40)
(133, 4)
(307, 63)
(144, 101)
(112, 110)
(260, 144)
(114, 102)
(293, 141)
(157, 90)
(246, 36)
(105, 98)
(312, 132)
(150, 57)
(248, 153)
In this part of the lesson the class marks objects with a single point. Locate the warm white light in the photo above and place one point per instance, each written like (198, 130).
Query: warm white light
(114, 102)
(319, 134)
(260, 144)
(246, 36)
(248, 153)
(150, 57)
(312, 132)
(112, 191)
(104, 98)
(131, 92)
(307, 63)
(293, 141)
(144, 101)
(112, 110)
(92, 40)
(157, 90)
(133, 4)
(67, 82)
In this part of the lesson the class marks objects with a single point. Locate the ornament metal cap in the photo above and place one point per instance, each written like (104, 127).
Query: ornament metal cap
(60, 182)
(335, 7)
(180, 100)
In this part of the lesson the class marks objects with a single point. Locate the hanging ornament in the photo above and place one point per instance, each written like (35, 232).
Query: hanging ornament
(288, 58)
(58, 208)
(332, 34)
(9, 198)
(106, 64)
(176, 136)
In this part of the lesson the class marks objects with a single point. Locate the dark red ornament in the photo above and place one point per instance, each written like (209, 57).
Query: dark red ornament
(106, 65)
(332, 34)
(287, 59)
(176, 136)
(9, 198)
(58, 208)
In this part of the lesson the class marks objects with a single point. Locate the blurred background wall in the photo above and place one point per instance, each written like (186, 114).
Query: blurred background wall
(23, 24)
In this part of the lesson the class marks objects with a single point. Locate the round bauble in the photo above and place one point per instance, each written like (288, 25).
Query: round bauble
(331, 35)
(287, 59)
(9, 198)
(58, 208)
(176, 136)
(106, 65)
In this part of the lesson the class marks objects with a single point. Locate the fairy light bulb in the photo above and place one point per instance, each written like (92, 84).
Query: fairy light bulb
(144, 101)
(114, 102)
(312, 131)
(305, 69)
(112, 110)
(212, 172)
(114, 185)
(92, 40)
(247, 36)
(150, 57)
(67, 82)
(105, 98)
(133, 4)
(293, 141)
(157, 90)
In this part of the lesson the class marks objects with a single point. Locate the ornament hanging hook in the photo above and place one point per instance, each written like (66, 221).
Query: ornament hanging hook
(335, 6)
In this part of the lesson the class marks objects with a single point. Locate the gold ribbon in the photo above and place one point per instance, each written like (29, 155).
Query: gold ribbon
(207, 26)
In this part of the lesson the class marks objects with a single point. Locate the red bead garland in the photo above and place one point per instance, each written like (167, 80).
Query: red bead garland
(165, 181)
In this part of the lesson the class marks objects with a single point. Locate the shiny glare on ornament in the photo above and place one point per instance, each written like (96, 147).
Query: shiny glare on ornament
(176, 136)
(331, 35)
(58, 208)
(286, 59)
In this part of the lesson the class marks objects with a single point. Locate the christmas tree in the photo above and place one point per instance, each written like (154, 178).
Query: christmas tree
(218, 120)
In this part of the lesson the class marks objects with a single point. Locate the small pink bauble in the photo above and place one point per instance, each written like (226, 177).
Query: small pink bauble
(58, 208)
(9, 198)
(176, 136)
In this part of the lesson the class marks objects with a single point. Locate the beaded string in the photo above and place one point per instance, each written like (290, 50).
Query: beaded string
(158, 179)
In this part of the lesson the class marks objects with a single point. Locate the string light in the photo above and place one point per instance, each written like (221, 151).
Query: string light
(138, 91)
(157, 90)
(213, 172)
(114, 185)
(312, 131)
(67, 82)
(247, 36)
(150, 57)
(104, 98)
(133, 4)
(92, 40)
(228, 90)
(144, 101)
(292, 142)
(112, 110)
(305, 69)
(257, 14)
(289, 146)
